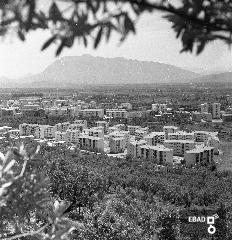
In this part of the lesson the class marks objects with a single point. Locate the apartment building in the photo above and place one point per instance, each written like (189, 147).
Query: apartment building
(92, 113)
(196, 116)
(132, 129)
(170, 129)
(120, 134)
(179, 146)
(201, 155)
(155, 138)
(116, 113)
(204, 108)
(103, 124)
(133, 148)
(91, 142)
(72, 136)
(202, 136)
(117, 144)
(95, 132)
(158, 154)
(27, 129)
(62, 127)
(216, 110)
(159, 107)
(140, 133)
(49, 131)
(60, 136)
(181, 135)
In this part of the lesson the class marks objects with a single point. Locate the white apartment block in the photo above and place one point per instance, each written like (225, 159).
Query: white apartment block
(202, 136)
(141, 133)
(60, 136)
(120, 134)
(160, 107)
(196, 116)
(103, 124)
(216, 110)
(72, 136)
(213, 141)
(181, 135)
(133, 148)
(112, 129)
(27, 129)
(76, 126)
(90, 142)
(170, 129)
(95, 132)
(116, 113)
(62, 127)
(117, 144)
(204, 108)
(158, 154)
(92, 113)
(155, 138)
(201, 155)
(179, 146)
(59, 111)
(49, 132)
(132, 129)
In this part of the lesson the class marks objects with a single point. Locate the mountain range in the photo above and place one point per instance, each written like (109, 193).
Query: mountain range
(74, 71)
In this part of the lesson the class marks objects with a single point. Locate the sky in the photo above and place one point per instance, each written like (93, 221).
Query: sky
(154, 41)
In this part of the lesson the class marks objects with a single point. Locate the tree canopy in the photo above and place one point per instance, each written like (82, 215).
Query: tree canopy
(196, 22)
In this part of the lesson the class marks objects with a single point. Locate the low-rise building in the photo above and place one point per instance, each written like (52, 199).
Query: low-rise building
(170, 129)
(92, 113)
(116, 113)
(140, 133)
(132, 129)
(179, 146)
(117, 144)
(158, 154)
(92, 143)
(196, 116)
(103, 124)
(200, 155)
(155, 138)
(181, 135)
(133, 148)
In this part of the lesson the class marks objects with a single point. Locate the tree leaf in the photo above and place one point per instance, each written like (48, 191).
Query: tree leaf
(54, 13)
(60, 48)
(48, 42)
(128, 24)
(21, 35)
(98, 38)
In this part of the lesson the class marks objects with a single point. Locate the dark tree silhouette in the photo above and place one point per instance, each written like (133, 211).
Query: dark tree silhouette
(196, 22)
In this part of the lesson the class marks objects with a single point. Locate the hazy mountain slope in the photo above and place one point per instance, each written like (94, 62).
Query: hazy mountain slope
(225, 77)
(87, 69)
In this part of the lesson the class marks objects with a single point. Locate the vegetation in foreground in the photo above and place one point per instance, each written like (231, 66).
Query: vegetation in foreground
(58, 194)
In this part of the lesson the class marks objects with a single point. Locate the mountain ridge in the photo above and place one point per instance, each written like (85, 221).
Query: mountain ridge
(90, 70)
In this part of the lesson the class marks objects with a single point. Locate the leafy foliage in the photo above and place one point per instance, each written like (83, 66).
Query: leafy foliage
(195, 22)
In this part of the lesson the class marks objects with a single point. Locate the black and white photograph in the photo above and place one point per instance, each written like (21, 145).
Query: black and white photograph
(115, 120)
